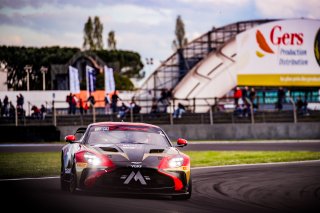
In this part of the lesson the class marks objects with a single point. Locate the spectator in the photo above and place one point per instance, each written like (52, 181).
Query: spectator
(91, 102)
(281, 96)
(179, 111)
(20, 101)
(237, 95)
(215, 107)
(239, 109)
(43, 111)
(81, 106)
(154, 107)
(69, 101)
(73, 104)
(302, 106)
(114, 101)
(134, 106)
(36, 112)
(252, 98)
(12, 110)
(164, 100)
(299, 105)
(6, 106)
(107, 103)
(123, 111)
(85, 107)
(245, 93)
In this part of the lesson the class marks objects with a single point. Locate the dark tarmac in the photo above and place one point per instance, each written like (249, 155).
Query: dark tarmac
(284, 187)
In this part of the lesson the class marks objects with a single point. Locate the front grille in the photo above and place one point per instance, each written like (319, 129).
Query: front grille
(127, 178)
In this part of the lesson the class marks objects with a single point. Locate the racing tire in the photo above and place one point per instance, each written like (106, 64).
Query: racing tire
(63, 183)
(73, 180)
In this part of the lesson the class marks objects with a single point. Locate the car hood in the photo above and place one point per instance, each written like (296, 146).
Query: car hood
(134, 152)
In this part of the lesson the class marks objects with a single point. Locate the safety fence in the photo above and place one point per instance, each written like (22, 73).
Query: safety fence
(215, 111)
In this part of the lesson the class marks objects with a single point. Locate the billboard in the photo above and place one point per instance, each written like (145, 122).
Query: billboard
(280, 53)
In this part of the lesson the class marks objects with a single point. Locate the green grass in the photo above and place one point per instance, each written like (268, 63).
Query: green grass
(29, 164)
(40, 164)
(213, 158)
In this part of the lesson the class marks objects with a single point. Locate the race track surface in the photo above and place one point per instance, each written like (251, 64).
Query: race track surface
(284, 187)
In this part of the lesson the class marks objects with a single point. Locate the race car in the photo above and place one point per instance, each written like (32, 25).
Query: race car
(123, 157)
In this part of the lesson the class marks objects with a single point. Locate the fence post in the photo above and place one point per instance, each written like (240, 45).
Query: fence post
(16, 115)
(251, 110)
(194, 105)
(211, 116)
(93, 113)
(171, 118)
(295, 120)
(54, 116)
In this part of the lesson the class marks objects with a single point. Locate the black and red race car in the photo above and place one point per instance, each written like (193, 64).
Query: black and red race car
(126, 158)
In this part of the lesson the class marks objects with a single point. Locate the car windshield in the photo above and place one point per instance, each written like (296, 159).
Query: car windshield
(103, 135)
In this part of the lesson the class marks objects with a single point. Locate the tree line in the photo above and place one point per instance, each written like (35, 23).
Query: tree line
(15, 59)
(127, 64)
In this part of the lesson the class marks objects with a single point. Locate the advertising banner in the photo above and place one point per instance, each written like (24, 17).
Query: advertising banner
(74, 80)
(280, 53)
(108, 80)
(91, 79)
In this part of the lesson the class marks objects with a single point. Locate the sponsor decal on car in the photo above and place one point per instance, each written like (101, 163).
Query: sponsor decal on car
(136, 177)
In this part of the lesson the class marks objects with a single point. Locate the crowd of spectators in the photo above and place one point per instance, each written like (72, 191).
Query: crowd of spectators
(244, 99)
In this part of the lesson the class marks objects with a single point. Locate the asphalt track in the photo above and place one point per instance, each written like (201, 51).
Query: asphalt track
(306, 145)
(284, 187)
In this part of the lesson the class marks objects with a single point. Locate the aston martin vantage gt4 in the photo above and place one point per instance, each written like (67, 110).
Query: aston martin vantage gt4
(125, 158)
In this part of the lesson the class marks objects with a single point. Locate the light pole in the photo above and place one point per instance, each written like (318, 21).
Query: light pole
(44, 70)
(28, 69)
(149, 62)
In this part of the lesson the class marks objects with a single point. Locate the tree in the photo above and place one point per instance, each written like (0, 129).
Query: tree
(180, 40)
(16, 58)
(97, 34)
(112, 41)
(179, 43)
(93, 34)
(88, 43)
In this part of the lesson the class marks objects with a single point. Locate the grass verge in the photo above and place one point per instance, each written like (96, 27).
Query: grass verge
(29, 164)
(39, 164)
(214, 158)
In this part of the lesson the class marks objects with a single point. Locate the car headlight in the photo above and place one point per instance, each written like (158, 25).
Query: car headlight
(92, 159)
(175, 162)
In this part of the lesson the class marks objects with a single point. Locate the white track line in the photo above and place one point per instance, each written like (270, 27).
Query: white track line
(30, 145)
(255, 142)
(39, 178)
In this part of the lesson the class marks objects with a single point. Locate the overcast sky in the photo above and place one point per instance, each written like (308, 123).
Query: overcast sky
(144, 26)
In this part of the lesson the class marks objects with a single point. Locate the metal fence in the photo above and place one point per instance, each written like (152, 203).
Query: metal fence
(219, 111)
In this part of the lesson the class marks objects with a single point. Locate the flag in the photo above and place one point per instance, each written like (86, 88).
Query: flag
(91, 79)
(109, 83)
(74, 80)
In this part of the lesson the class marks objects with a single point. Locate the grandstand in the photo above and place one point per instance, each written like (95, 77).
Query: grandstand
(208, 67)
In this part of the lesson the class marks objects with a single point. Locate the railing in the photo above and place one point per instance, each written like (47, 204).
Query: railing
(221, 111)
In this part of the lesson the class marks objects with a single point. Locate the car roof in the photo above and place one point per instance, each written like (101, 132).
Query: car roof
(124, 124)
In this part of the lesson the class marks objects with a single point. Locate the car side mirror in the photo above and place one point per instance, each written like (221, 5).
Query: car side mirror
(182, 142)
(70, 138)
